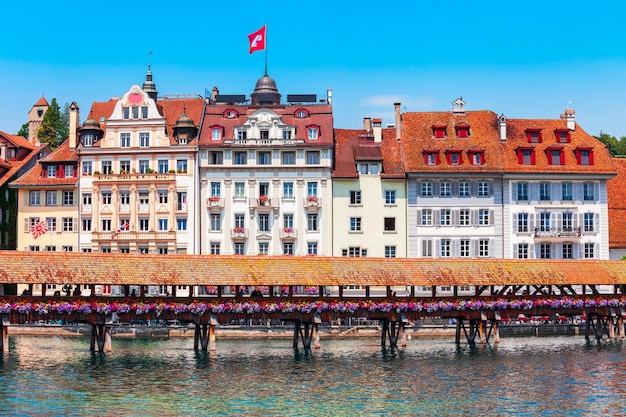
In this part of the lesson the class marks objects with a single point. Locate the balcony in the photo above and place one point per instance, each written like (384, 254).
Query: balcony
(263, 142)
(85, 208)
(557, 234)
(215, 203)
(264, 204)
(238, 233)
(312, 203)
(141, 235)
(288, 233)
(134, 177)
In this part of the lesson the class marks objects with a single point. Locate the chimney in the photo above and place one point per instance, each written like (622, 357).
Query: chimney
(214, 93)
(377, 125)
(502, 127)
(329, 96)
(3, 151)
(367, 124)
(74, 120)
(569, 117)
(398, 120)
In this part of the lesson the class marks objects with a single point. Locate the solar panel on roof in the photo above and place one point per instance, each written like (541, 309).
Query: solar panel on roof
(230, 98)
(302, 98)
(266, 97)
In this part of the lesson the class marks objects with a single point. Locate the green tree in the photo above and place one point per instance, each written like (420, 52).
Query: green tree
(23, 130)
(54, 126)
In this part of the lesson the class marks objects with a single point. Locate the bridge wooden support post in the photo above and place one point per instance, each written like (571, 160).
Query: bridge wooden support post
(4, 330)
(620, 322)
(470, 333)
(393, 329)
(308, 332)
(482, 328)
(204, 334)
(100, 338)
(612, 323)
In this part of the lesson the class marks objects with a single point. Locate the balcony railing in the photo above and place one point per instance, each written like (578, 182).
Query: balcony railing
(238, 233)
(312, 203)
(287, 233)
(131, 235)
(131, 177)
(557, 232)
(215, 203)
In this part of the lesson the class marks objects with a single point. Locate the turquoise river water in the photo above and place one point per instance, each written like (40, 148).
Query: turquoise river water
(522, 376)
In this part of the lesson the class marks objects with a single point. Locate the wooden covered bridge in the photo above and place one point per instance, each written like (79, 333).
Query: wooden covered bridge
(477, 293)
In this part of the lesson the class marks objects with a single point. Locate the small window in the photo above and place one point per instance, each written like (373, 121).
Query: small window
(431, 158)
(390, 197)
(216, 158)
(264, 158)
(313, 132)
(240, 158)
(355, 224)
(390, 224)
(439, 132)
(125, 140)
(533, 136)
(555, 156)
(562, 136)
(216, 133)
(526, 156)
(454, 157)
(312, 157)
(462, 131)
(144, 140)
(289, 158)
(477, 157)
(231, 114)
(301, 114)
(355, 197)
(584, 156)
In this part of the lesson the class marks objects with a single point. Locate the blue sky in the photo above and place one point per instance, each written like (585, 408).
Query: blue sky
(527, 59)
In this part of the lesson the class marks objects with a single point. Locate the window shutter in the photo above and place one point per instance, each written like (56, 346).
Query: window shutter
(515, 250)
(514, 188)
(531, 222)
(577, 191)
(491, 217)
(44, 172)
(553, 252)
(474, 188)
(455, 217)
(591, 157)
(61, 171)
(562, 157)
(474, 217)
(437, 250)
(531, 251)
(448, 158)
(596, 250)
(425, 159)
(437, 217)
(578, 157)
(419, 217)
(437, 159)
(455, 188)
(596, 192)
(460, 158)
(533, 191)
(482, 158)
(436, 188)
(26, 225)
(532, 157)
(475, 248)
(26, 197)
(74, 224)
(516, 218)
(455, 250)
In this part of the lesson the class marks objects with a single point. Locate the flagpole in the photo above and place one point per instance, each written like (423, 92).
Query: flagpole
(266, 49)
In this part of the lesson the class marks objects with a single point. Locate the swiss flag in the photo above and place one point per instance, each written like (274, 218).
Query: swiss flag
(257, 40)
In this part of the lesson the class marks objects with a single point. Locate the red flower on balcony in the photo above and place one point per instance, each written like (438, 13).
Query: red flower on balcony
(288, 230)
(239, 230)
(214, 199)
(263, 199)
(312, 199)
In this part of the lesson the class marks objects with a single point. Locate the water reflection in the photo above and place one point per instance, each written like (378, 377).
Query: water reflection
(522, 376)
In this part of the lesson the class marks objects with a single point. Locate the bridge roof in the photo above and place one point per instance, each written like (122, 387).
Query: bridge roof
(131, 269)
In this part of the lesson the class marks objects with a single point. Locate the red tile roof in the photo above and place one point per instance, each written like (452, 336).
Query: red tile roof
(41, 102)
(616, 190)
(500, 156)
(126, 269)
(319, 114)
(355, 144)
(516, 137)
(418, 136)
(34, 176)
(25, 152)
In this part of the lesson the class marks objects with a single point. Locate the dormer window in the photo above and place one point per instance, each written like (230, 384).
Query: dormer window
(217, 132)
(51, 171)
(454, 158)
(301, 114)
(525, 156)
(476, 157)
(439, 132)
(584, 156)
(313, 132)
(562, 135)
(431, 158)
(556, 156)
(462, 132)
(88, 139)
(533, 135)
(231, 114)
